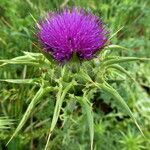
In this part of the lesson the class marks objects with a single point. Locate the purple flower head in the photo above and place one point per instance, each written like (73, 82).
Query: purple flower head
(72, 31)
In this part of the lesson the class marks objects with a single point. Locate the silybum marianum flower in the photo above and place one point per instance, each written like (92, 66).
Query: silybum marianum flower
(72, 31)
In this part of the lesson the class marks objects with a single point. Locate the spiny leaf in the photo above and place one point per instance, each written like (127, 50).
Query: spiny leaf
(35, 55)
(20, 81)
(121, 69)
(110, 90)
(60, 97)
(38, 95)
(28, 62)
(85, 76)
(116, 47)
(28, 58)
(123, 59)
(87, 108)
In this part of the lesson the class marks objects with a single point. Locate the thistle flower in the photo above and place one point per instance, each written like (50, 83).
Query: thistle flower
(72, 31)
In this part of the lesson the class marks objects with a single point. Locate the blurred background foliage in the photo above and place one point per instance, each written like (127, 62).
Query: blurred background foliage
(113, 130)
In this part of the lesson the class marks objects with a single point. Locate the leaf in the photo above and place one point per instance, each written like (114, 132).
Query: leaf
(38, 95)
(123, 59)
(11, 61)
(85, 76)
(116, 47)
(29, 58)
(35, 55)
(110, 90)
(60, 97)
(87, 108)
(121, 69)
(20, 81)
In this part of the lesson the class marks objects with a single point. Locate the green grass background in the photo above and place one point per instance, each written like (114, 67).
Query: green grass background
(113, 130)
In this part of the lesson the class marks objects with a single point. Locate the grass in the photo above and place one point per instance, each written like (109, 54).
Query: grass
(95, 111)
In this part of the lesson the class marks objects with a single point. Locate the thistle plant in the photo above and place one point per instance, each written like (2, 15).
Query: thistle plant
(76, 54)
